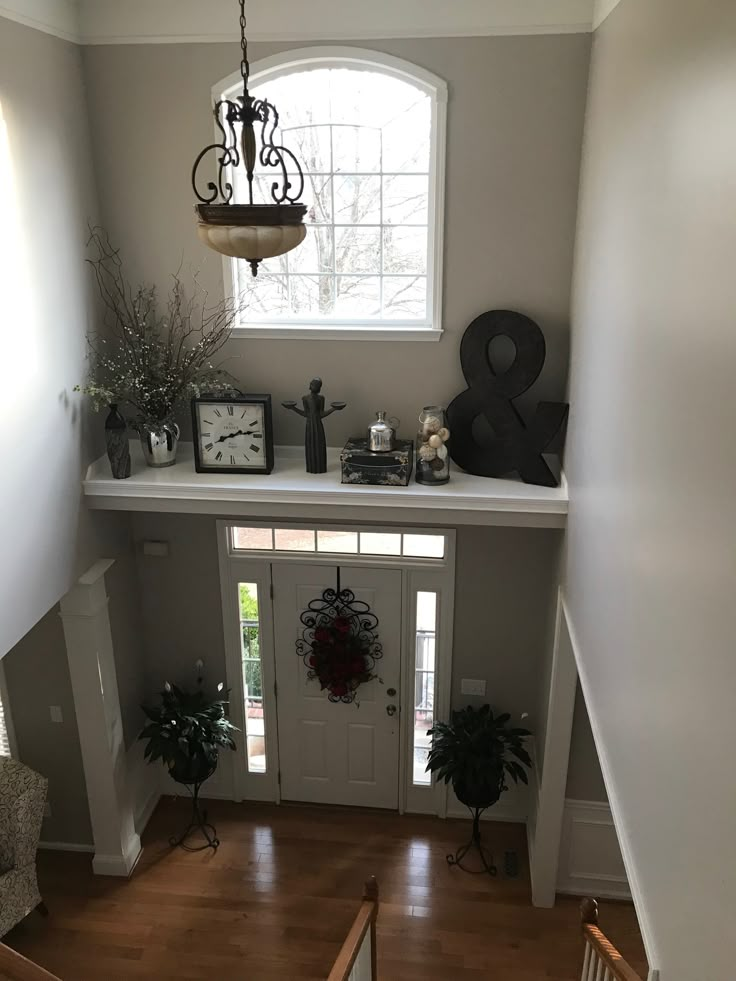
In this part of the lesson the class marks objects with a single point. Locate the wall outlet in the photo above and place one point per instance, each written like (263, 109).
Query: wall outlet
(472, 686)
(56, 713)
(159, 549)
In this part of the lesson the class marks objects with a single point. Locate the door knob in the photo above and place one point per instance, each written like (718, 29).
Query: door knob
(390, 710)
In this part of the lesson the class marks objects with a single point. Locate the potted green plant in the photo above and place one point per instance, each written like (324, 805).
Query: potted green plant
(187, 730)
(477, 752)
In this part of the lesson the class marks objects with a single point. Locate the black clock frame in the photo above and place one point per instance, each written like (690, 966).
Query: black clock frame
(265, 402)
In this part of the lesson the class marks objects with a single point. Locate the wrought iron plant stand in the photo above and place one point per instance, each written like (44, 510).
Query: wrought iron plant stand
(476, 842)
(198, 821)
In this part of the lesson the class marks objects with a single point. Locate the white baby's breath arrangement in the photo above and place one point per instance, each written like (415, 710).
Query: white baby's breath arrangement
(148, 358)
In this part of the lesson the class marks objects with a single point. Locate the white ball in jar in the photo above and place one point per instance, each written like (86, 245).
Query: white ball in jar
(432, 424)
(427, 452)
(442, 452)
(444, 434)
(435, 440)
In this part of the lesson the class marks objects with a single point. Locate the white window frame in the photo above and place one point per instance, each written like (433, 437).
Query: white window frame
(418, 575)
(5, 699)
(289, 62)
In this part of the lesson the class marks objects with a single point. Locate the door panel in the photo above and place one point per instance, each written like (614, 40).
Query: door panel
(333, 753)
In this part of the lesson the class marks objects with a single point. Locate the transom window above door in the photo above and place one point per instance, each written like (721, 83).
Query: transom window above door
(388, 543)
(368, 131)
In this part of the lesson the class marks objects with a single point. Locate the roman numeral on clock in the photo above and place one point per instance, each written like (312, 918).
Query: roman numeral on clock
(219, 456)
(255, 448)
(230, 410)
(209, 446)
(232, 460)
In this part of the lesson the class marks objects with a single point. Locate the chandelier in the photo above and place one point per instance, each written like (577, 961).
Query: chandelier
(249, 231)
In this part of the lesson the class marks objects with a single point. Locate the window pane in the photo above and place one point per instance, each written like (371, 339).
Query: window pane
(406, 134)
(405, 298)
(405, 200)
(425, 546)
(265, 296)
(357, 199)
(337, 541)
(293, 540)
(380, 543)
(424, 676)
(358, 250)
(356, 148)
(311, 296)
(358, 297)
(252, 678)
(314, 255)
(318, 198)
(253, 538)
(311, 144)
(405, 249)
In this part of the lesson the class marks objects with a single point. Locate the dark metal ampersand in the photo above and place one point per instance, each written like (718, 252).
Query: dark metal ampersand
(487, 402)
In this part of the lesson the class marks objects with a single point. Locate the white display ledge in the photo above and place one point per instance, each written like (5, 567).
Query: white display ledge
(289, 492)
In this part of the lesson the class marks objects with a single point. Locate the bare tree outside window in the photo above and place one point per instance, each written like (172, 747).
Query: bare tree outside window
(363, 138)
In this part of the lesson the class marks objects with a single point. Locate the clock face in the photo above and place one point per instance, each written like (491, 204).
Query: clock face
(231, 436)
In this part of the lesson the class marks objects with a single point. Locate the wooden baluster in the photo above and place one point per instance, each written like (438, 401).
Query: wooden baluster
(586, 961)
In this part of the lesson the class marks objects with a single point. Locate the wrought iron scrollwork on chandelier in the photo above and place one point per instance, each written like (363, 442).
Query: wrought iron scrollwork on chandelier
(249, 231)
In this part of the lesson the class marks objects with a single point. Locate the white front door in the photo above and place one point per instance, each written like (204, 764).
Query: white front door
(332, 752)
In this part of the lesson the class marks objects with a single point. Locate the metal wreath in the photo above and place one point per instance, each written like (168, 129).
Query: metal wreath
(322, 613)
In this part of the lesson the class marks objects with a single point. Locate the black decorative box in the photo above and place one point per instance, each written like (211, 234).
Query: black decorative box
(389, 469)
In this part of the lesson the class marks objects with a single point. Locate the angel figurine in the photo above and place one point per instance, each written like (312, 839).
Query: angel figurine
(315, 447)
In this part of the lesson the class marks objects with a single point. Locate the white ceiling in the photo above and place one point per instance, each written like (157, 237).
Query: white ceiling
(169, 21)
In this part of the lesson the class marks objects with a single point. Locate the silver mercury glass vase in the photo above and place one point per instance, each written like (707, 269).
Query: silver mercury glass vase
(159, 443)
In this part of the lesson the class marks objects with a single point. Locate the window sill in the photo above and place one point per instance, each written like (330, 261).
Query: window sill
(338, 332)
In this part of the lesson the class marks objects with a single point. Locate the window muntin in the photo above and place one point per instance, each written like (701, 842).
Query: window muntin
(424, 679)
(328, 541)
(250, 648)
(368, 139)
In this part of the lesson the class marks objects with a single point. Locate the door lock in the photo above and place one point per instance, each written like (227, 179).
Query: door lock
(390, 710)
(391, 692)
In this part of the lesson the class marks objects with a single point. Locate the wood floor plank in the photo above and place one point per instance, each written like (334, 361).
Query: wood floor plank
(280, 894)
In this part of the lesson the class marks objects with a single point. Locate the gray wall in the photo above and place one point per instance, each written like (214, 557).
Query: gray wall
(506, 583)
(126, 627)
(652, 471)
(37, 677)
(48, 196)
(584, 777)
(515, 120)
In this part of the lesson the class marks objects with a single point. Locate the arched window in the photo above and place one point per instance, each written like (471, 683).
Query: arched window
(369, 131)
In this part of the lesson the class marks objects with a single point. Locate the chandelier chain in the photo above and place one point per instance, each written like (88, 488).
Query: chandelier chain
(244, 63)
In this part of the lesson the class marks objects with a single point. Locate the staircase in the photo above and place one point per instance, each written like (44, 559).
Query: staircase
(357, 960)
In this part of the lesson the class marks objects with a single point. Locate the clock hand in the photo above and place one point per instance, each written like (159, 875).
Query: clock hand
(240, 432)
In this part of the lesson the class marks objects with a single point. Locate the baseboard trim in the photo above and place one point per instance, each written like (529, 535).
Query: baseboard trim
(65, 846)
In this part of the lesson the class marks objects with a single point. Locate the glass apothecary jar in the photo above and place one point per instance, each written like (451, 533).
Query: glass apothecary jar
(433, 460)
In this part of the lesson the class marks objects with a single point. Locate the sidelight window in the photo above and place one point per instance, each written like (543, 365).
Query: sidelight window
(424, 678)
(252, 676)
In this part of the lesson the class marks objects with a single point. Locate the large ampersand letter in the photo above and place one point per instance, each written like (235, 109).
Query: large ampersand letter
(513, 445)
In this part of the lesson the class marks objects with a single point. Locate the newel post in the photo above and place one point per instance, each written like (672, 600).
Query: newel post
(89, 646)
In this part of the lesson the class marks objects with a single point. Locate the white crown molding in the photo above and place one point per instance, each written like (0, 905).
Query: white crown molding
(57, 17)
(181, 21)
(601, 10)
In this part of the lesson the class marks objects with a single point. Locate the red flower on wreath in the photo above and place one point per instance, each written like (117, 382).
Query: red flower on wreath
(339, 657)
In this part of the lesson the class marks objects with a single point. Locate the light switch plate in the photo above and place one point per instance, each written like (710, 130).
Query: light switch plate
(56, 713)
(472, 686)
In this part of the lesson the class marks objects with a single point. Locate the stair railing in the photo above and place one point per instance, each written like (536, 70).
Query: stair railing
(601, 961)
(15, 967)
(357, 958)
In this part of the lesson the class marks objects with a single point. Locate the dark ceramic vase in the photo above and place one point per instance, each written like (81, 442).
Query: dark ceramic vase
(116, 438)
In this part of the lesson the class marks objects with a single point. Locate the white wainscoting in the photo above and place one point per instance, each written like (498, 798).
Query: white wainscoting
(590, 857)
(144, 783)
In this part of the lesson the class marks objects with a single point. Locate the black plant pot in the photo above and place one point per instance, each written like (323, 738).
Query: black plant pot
(194, 770)
(478, 793)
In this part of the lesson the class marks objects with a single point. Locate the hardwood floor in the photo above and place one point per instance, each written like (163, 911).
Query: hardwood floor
(278, 898)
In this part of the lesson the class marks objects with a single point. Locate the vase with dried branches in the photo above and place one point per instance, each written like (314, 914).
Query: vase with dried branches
(150, 357)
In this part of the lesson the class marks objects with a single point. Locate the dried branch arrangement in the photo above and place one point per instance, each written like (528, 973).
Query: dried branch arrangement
(148, 358)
